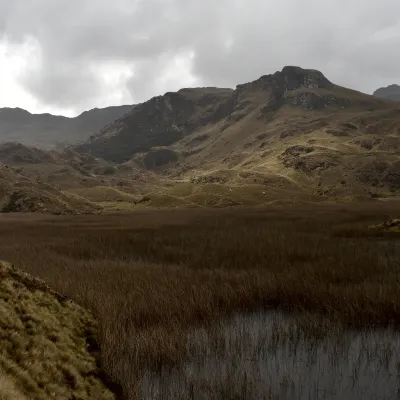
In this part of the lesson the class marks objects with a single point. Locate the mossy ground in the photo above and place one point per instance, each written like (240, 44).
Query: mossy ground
(44, 350)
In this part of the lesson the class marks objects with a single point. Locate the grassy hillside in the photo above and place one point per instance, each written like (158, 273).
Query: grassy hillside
(286, 137)
(294, 125)
(20, 192)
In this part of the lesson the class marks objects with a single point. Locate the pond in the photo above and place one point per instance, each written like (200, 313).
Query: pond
(274, 356)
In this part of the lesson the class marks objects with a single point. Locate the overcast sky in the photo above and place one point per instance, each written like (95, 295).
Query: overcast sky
(66, 56)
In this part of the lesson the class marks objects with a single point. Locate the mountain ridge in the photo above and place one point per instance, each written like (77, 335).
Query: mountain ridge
(294, 128)
(289, 136)
(48, 131)
(293, 86)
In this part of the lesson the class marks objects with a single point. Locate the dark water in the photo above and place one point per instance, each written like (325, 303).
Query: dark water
(267, 356)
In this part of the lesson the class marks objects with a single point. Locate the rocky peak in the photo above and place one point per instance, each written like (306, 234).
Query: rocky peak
(296, 78)
(290, 78)
(389, 92)
(293, 86)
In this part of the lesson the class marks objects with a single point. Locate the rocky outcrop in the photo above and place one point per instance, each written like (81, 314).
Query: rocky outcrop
(392, 225)
(380, 174)
(289, 79)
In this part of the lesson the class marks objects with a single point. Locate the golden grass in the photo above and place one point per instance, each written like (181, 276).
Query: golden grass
(44, 343)
(151, 277)
(8, 388)
(99, 194)
(393, 225)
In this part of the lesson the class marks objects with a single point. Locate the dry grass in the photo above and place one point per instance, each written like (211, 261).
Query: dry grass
(392, 225)
(151, 277)
(100, 194)
(44, 343)
(8, 388)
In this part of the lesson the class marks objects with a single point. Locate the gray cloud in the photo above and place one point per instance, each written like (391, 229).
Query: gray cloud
(354, 42)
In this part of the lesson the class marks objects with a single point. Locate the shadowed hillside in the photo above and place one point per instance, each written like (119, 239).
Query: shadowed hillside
(161, 121)
(20, 193)
(390, 92)
(48, 131)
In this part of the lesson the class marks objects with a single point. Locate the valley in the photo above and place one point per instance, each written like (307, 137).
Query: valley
(208, 243)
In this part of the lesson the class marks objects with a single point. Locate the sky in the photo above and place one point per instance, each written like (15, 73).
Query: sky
(67, 56)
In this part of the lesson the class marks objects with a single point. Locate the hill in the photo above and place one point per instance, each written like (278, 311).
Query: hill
(292, 133)
(46, 343)
(390, 92)
(48, 131)
(20, 192)
(64, 181)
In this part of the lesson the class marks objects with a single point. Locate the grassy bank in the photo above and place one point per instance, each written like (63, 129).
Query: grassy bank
(44, 343)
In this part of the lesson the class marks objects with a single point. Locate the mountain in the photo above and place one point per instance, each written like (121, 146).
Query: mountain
(286, 137)
(293, 132)
(49, 131)
(161, 121)
(390, 92)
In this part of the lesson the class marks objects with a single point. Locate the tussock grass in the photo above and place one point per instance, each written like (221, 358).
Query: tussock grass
(152, 277)
(44, 343)
(8, 388)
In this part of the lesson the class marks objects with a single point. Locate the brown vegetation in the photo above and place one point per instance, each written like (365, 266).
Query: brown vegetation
(152, 277)
(45, 341)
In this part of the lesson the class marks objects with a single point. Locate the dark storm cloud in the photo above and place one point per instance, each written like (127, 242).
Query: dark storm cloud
(354, 42)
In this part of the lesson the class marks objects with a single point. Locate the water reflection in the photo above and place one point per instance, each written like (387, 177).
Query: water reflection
(268, 356)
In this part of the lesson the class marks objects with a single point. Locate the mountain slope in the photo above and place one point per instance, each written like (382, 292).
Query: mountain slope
(47, 131)
(290, 132)
(161, 121)
(21, 193)
(64, 181)
(390, 92)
